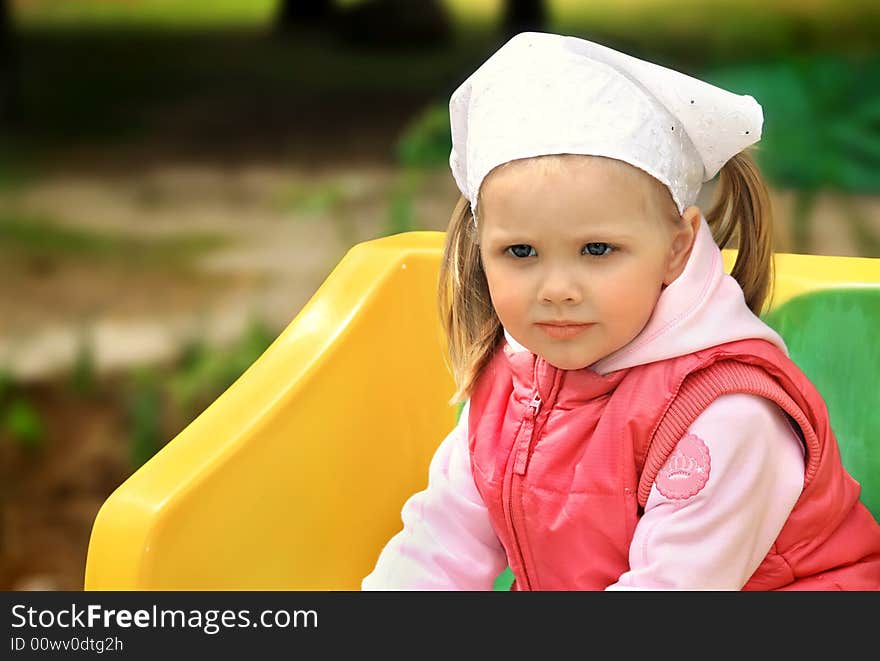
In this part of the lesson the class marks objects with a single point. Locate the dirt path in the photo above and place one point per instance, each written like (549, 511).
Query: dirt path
(284, 231)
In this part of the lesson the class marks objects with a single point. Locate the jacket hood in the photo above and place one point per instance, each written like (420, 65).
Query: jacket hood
(701, 308)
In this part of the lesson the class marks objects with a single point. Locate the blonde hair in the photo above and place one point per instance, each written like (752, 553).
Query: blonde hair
(741, 210)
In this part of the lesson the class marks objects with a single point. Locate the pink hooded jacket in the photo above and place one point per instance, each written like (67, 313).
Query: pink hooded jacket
(712, 538)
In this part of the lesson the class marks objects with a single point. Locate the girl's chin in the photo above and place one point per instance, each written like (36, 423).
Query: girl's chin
(563, 364)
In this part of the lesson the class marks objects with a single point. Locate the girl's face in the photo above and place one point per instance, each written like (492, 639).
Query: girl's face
(587, 244)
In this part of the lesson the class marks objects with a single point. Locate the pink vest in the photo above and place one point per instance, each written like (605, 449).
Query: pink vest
(564, 461)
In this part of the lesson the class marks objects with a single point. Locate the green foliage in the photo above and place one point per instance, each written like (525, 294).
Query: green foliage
(6, 381)
(16, 167)
(203, 373)
(35, 234)
(691, 30)
(401, 217)
(822, 119)
(83, 375)
(423, 145)
(18, 417)
(23, 423)
(311, 199)
(426, 141)
(821, 131)
(154, 13)
(401, 214)
(145, 416)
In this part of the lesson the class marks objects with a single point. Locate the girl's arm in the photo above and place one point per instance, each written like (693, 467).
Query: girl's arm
(716, 538)
(447, 541)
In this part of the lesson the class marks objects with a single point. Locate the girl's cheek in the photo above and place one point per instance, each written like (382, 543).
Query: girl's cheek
(633, 301)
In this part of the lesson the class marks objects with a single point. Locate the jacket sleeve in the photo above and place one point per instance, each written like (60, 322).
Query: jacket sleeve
(447, 541)
(713, 534)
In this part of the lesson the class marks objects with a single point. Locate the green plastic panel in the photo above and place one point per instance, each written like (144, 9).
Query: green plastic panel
(832, 335)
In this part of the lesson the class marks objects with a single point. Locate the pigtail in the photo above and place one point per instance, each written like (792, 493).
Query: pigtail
(742, 209)
(469, 322)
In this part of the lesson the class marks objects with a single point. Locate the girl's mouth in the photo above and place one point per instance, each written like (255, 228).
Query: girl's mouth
(563, 332)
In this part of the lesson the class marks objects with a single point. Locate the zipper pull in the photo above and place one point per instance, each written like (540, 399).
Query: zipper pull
(535, 403)
(525, 441)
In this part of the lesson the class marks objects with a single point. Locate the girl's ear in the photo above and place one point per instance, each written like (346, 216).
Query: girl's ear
(682, 243)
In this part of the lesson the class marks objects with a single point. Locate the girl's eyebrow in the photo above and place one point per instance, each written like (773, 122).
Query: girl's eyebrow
(596, 235)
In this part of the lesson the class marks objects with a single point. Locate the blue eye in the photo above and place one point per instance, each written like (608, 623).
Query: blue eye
(599, 249)
(517, 250)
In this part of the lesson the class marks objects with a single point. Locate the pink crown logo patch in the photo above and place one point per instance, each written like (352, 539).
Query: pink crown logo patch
(686, 471)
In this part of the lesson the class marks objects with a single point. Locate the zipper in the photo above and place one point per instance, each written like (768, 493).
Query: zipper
(519, 468)
(522, 449)
(525, 443)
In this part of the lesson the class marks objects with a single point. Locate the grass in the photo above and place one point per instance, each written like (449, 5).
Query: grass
(41, 236)
(154, 13)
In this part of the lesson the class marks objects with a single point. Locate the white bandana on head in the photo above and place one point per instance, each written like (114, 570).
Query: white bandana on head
(544, 93)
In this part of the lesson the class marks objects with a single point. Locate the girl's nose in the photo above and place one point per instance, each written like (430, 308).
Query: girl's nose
(559, 286)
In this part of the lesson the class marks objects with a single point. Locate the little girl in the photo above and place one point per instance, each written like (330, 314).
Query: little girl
(629, 422)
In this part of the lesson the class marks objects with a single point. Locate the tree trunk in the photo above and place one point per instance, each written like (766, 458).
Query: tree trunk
(390, 24)
(10, 109)
(303, 13)
(523, 15)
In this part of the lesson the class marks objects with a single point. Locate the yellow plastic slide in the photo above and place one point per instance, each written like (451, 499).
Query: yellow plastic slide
(294, 478)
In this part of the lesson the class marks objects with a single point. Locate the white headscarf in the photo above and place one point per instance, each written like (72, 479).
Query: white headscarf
(545, 93)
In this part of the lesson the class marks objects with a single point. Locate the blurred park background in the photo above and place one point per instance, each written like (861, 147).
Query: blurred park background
(178, 177)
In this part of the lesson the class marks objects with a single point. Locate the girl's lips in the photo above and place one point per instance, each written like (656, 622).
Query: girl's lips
(562, 332)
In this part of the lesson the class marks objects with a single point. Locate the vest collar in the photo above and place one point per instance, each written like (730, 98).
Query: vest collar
(532, 373)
